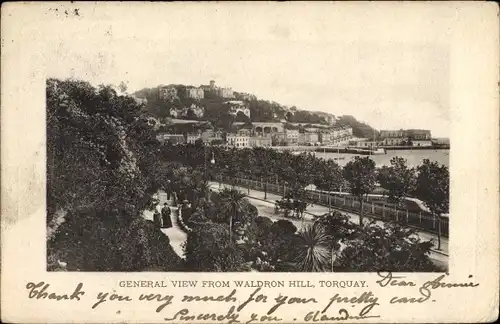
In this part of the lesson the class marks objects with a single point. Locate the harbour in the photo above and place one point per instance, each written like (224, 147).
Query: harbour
(413, 157)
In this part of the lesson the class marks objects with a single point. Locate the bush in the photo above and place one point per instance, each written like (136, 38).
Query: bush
(90, 241)
(390, 248)
(208, 249)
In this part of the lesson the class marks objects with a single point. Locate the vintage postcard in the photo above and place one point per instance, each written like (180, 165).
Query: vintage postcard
(250, 162)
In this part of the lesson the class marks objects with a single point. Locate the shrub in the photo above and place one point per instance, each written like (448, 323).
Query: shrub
(208, 249)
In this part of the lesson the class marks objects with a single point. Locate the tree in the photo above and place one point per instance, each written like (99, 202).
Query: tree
(313, 249)
(101, 141)
(389, 248)
(433, 188)
(232, 202)
(398, 179)
(209, 248)
(123, 87)
(360, 174)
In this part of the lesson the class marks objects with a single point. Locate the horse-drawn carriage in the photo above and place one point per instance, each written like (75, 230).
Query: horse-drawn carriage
(291, 207)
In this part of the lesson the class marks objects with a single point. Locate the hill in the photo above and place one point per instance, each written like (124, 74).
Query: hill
(359, 129)
(221, 112)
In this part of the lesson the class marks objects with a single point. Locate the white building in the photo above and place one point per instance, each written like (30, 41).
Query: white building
(239, 141)
(168, 93)
(421, 143)
(195, 93)
(308, 138)
(292, 135)
(225, 92)
(192, 138)
(247, 96)
(260, 141)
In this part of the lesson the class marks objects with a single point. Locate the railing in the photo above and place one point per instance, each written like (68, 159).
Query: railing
(375, 209)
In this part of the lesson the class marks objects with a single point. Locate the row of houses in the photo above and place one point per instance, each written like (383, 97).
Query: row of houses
(208, 136)
(197, 111)
(197, 93)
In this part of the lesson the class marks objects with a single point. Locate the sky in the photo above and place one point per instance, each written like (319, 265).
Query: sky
(387, 67)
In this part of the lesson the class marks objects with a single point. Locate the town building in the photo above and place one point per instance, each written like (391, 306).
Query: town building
(405, 135)
(192, 138)
(195, 93)
(239, 141)
(292, 136)
(260, 141)
(225, 92)
(395, 141)
(168, 93)
(208, 136)
(392, 134)
(197, 111)
(221, 92)
(418, 134)
(311, 129)
(216, 136)
(335, 136)
(278, 138)
(421, 143)
(265, 128)
(246, 96)
(369, 144)
(308, 138)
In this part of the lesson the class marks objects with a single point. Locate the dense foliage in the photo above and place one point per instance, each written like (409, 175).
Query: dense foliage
(433, 188)
(100, 163)
(359, 129)
(374, 248)
(259, 163)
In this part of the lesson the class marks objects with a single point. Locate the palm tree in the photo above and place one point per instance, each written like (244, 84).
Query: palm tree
(313, 249)
(233, 202)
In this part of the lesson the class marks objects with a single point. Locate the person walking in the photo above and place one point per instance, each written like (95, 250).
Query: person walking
(169, 189)
(157, 217)
(165, 213)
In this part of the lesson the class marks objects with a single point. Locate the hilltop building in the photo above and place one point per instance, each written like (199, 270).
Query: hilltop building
(246, 96)
(195, 93)
(225, 93)
(221, 92)
(168, 93)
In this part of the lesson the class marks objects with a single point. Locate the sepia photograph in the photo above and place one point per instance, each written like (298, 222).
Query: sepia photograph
(249, 162)
(181, 156)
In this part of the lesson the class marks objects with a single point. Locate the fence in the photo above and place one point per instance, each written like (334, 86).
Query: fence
(375, 209)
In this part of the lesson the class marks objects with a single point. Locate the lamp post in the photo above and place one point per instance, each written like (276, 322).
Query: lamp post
(212, 161)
